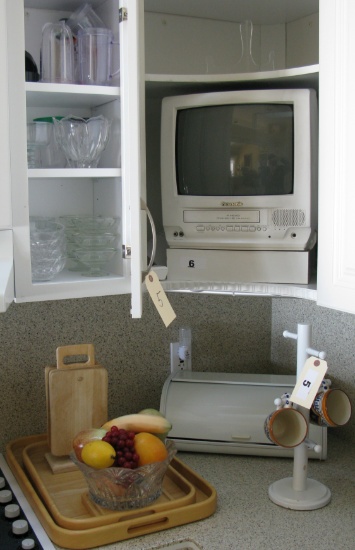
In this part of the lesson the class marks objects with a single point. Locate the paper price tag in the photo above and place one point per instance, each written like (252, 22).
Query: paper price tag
(159, 298)
(308, 383)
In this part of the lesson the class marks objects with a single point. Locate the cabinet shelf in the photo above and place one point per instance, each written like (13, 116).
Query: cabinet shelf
(307, 292)
(43, 94)
(299, 76)
(39, 173)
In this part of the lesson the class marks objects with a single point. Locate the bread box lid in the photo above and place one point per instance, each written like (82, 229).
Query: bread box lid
(225, 407)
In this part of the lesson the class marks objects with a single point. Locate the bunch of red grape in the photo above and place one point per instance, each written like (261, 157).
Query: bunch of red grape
(123, 443)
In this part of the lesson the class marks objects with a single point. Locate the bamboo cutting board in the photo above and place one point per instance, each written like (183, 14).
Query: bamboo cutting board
(76, 396)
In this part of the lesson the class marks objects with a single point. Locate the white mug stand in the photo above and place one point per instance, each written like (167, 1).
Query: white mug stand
(299, 492)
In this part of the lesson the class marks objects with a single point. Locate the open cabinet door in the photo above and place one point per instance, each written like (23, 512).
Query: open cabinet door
(7, 291)
(336, 251)
(6, 246)
(133, 138)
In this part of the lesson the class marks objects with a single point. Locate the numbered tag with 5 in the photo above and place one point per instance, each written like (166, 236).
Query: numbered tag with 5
(159, 298)
(308, 382)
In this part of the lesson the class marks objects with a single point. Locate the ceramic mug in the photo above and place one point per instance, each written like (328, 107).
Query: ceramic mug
(286, 427)
(331, 408)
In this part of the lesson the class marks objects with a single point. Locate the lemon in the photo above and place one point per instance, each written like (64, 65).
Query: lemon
(98, 454)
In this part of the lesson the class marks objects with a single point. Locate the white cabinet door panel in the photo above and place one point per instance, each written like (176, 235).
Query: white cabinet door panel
(133, 135)
(5, 182)
(336, 261)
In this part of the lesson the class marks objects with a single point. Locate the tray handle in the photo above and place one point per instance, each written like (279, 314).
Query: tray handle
(64, 353)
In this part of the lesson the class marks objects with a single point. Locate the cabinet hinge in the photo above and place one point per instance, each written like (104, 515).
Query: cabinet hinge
(126, 252)
(122, 14)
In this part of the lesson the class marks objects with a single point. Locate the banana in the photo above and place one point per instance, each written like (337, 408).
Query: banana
(161, 436)
(151, 411)
(151, 423)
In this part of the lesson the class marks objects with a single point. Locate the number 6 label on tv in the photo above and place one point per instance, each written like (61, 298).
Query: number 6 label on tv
(308, 382)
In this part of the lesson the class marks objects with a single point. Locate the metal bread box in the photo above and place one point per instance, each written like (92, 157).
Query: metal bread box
(225, 412)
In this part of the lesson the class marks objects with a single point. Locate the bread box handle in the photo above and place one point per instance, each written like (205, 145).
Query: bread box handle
(64, 352)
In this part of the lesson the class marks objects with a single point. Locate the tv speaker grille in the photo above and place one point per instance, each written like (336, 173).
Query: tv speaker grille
(288, 218)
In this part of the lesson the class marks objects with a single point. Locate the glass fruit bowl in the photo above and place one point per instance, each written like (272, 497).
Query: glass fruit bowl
(122, 488)
(82, 140)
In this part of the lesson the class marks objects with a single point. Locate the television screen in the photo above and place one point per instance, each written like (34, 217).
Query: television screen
(235, 150)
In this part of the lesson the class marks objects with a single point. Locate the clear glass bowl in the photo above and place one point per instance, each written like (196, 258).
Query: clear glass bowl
(47, 238)
(39, 252)
(95, 260)
(46, 269)
(46, 229)
(82, 140)
(95, 225)
(48, 248)
(95, 242)
(43, 241)
(124, 489)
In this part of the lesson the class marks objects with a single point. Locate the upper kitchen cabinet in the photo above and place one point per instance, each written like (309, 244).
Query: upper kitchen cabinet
(44, 185)
(336, 258)
(196, 46)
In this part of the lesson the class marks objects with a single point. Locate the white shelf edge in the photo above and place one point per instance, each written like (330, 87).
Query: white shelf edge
(307, 292)
(233, 77)
(71, 96)
(53, 87)
(66, 286)
(74, 173)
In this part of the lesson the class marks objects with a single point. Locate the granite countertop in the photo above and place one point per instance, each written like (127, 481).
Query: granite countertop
(247, 519)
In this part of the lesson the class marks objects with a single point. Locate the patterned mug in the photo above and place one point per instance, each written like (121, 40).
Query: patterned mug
(286, 427)
(331, 408)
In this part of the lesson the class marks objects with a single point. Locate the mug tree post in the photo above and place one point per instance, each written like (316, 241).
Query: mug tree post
(300, 492)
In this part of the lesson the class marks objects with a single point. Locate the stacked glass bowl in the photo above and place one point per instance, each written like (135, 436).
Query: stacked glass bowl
(91, 244)
(48, 248)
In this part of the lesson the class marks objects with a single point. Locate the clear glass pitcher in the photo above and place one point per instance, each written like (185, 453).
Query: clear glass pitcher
(57, 53)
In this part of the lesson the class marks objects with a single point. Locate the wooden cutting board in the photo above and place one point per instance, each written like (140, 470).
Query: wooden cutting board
(76, 395)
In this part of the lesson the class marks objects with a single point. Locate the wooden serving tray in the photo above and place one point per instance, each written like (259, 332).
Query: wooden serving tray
(71, 519)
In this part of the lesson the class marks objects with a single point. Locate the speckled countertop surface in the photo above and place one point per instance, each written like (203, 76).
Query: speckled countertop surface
(247, 519)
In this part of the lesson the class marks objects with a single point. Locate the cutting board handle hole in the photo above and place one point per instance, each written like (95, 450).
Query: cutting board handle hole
(79, 355)
(72, 359)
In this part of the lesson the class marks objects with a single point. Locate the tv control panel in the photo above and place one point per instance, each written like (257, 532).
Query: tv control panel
(240, 236)
(231, 228)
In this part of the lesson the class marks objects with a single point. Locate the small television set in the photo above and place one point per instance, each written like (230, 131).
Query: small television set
(239, 170)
